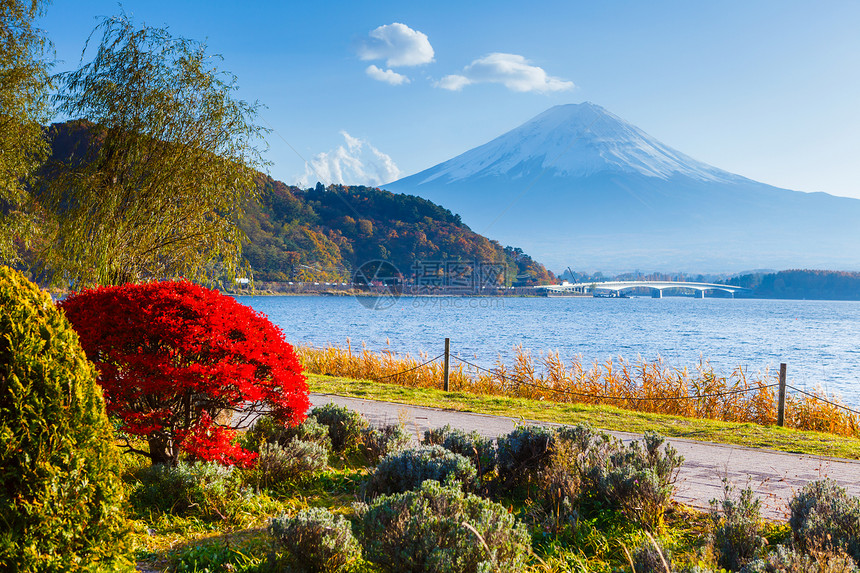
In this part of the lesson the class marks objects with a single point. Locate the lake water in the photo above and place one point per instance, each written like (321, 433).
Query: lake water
(819, 340)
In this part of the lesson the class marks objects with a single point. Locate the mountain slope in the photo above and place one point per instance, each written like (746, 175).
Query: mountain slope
(579, 186)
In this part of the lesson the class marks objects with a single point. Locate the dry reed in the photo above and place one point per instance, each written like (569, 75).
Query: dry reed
(634, 385)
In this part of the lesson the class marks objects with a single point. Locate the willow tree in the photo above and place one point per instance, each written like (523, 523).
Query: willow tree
(155, 188)
(24, 108)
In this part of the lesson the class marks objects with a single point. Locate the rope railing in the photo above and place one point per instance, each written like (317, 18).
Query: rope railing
(411, 369)
(820, 399)
(514, 382)
(617, 398)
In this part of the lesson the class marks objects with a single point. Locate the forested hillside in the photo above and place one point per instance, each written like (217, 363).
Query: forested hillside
(324, 233)
(801, 284)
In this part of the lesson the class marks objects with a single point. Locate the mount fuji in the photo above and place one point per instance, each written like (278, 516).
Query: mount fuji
(579, 186)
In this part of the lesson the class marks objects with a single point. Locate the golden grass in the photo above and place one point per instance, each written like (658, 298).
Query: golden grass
(640, 385)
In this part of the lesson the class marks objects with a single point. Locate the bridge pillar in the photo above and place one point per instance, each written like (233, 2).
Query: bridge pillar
(656, 293)
(700, 294)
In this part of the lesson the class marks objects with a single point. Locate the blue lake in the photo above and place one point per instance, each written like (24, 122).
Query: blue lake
(819, 340)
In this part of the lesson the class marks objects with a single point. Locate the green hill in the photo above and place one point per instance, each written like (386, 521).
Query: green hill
(325, 233)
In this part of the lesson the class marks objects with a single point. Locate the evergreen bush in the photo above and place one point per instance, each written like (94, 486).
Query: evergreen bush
(472, 445)
(521, 454)
(379, 442)
(268, 430)
(314, 541)
(825, 518)
(737, 527)
(408, 469)
(278, 465)
(790, 560)
(60, 501)
(650, 557)
(440, 528)
(202, 489)
(638, 480)
(344, 425)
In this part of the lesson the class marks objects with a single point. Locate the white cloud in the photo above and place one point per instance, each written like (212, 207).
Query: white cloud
(398, 45)
(356, 163)
(387, 76)
(510, 70)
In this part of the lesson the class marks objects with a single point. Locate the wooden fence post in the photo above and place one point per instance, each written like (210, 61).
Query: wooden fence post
(447, 370)
(780, 414)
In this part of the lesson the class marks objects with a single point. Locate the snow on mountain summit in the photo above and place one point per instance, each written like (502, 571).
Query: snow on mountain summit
(573, 140)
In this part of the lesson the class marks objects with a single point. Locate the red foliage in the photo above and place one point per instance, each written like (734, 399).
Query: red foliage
(175, 357)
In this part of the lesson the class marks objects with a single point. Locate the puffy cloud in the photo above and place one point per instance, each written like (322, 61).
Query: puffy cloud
(510, 70)
(398, 45)
(355, 163)
(387, 76)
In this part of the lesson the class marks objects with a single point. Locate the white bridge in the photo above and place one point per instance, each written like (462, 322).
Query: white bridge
(617, 288)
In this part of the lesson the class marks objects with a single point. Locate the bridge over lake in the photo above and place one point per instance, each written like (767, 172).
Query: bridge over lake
(618, 288)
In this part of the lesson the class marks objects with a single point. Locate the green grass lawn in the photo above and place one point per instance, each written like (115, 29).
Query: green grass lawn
(604, 417)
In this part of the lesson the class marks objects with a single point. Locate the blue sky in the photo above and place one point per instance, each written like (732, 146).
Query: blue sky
(766, 89)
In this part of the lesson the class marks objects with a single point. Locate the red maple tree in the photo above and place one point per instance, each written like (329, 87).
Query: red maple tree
(185, 366)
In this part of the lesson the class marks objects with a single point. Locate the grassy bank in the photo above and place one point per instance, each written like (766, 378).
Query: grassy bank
(605, 417)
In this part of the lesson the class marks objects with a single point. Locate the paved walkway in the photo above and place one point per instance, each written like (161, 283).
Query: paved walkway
(774, 476)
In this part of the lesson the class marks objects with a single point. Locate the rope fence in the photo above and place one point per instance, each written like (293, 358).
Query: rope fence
(617, 398)
(661, 386)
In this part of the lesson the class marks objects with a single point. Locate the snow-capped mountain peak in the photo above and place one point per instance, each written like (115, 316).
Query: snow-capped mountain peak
(574, 140)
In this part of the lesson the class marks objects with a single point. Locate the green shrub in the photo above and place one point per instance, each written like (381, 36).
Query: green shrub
(472, 445)
(60, 500)
(825, 518)
(737, 527)
(408, 469)
(201, 489)
(314, 541)
(283, 464)
(344, 425)
(212, 557)
(638, 481)
(434, 529)
(379, 442)
(267, 430)
(559, 486)
(522, 453)
(650, 557)
(787, 560)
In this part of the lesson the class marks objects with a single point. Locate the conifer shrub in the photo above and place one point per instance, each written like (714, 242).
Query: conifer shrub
(408, 469)
(440, 528)
(481, 450)
(175, 358)
(60, 500)
(314, 541)
(280, 465)
(737, 527)
(379, 442)
(344, 425)
(824, 517)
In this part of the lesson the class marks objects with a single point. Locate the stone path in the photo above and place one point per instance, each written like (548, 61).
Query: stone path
(774, 476)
